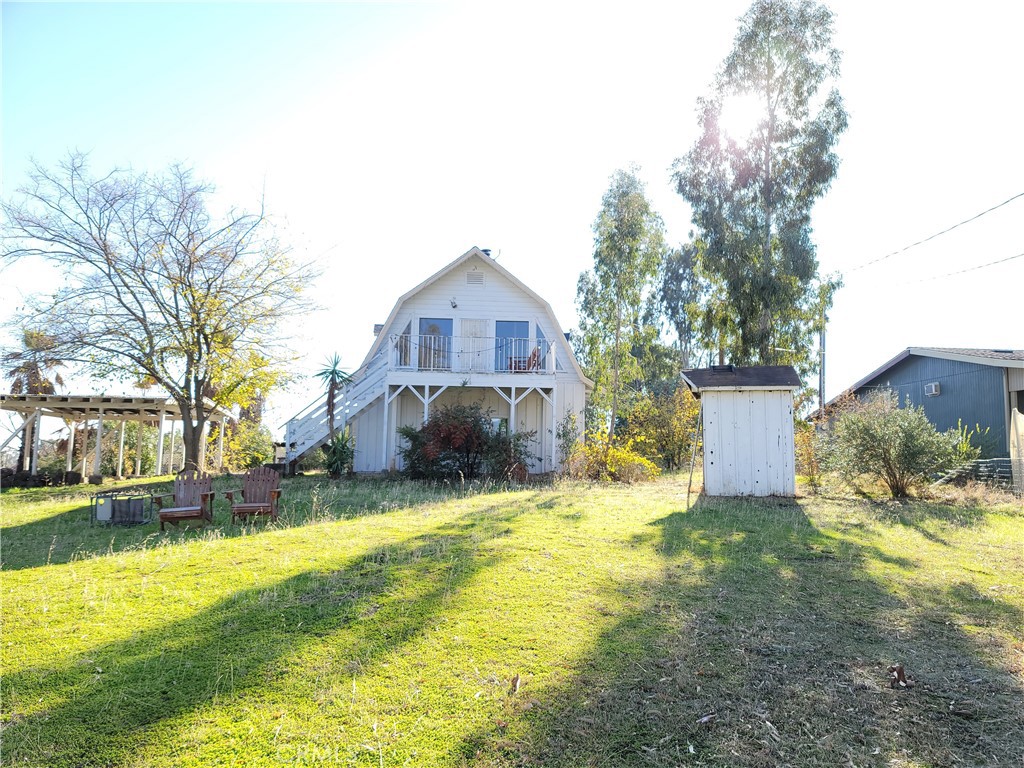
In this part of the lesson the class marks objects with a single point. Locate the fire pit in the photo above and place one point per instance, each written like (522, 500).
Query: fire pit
(122, 508)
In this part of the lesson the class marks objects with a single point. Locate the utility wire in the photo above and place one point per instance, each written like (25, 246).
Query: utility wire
(937, 234)
(969, 269)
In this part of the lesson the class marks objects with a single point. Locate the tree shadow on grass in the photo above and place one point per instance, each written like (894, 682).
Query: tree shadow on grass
(112, 703)
(71, 534)
(767, 642)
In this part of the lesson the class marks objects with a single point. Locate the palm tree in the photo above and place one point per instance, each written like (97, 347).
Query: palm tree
(33, 365)
(334, 378)
(30, 369)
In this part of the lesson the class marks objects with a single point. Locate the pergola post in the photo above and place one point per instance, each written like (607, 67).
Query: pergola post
(220, 444)
(120, 452)
(71, 447)
(26, 441)
(85, 445)
(202, 445)
(36, 432)
(99, 442)
(138, 450)
(160, 446)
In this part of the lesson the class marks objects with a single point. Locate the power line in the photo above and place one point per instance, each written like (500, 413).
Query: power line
(969, 269)
(937, 234)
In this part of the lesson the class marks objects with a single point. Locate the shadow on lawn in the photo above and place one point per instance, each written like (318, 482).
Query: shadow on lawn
(69, 535)
(766, 642)
(117, 695)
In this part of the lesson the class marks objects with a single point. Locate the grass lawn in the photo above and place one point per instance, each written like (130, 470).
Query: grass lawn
(387, 624)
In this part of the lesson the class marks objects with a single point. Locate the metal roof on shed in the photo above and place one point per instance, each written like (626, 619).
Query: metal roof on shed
(739, 377)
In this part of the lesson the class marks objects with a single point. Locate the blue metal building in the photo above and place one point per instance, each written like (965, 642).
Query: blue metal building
(973, 387)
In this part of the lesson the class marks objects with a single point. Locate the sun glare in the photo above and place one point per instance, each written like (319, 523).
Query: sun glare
(740, 116)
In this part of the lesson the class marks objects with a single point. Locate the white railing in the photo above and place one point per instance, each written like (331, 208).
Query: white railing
(472, 354)
(309, 428)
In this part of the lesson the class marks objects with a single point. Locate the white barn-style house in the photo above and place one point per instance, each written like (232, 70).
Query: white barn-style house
(747, 420)
(471, 332)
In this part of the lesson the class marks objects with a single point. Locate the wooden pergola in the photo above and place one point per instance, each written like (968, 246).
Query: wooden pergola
(75, 409)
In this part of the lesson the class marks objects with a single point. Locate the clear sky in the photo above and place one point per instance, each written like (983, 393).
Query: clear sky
(388, 138)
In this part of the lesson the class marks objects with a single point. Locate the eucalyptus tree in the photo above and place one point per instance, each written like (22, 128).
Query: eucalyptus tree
(679, 295)
(155, 287)
(629, 245)
(752, 187)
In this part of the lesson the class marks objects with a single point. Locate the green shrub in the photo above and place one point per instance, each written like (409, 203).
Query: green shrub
(457, 441)
(339, 453)
(662, 427)
(899, 446)
(602, 459)
(248, 445)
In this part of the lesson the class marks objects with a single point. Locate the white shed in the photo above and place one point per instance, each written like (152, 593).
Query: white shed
(748, 428)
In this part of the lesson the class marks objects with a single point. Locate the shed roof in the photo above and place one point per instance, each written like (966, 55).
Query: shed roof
(737, 377)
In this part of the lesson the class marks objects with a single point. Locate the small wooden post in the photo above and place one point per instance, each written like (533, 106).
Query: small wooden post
(120, 452)
(99, 442)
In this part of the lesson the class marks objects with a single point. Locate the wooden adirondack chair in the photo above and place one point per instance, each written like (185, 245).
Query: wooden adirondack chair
(193, 499)
(259, 494)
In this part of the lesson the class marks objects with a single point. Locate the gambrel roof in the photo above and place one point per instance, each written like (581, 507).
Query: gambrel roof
(477, 253)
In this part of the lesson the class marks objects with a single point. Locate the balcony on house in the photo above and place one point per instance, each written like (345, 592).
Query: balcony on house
(472, 354)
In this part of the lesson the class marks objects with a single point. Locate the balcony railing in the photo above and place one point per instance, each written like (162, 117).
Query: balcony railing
(472, 354)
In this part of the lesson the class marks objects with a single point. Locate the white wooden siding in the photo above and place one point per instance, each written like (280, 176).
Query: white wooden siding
(748, 443)
(479, 304)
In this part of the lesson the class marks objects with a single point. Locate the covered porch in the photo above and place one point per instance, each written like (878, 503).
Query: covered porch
(74, 410)
(517, 407)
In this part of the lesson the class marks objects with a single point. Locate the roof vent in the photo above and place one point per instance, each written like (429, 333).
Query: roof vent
(486, 252)
(723, 368)
(1003, 351)
(377, 328)
(474, 278)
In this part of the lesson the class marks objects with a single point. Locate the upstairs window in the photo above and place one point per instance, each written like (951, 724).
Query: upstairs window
(512, 345)
(435, 343)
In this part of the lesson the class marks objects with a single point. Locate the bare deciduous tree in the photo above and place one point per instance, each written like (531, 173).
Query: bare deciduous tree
(154, 287)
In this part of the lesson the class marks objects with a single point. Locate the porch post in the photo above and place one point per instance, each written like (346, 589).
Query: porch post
(512, 412)
(71, 448)
(426, 403)
(138, 450)
(120, 452)
(99, 442)
(36, 432)
(160, 445)
(554, 428)
(386, 406)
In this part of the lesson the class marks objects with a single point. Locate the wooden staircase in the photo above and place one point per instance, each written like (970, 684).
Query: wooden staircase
(308, 429)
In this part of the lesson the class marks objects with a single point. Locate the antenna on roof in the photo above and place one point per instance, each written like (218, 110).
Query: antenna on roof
(486, 252)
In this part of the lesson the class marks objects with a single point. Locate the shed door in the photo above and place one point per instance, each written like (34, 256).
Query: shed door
(473, 346)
